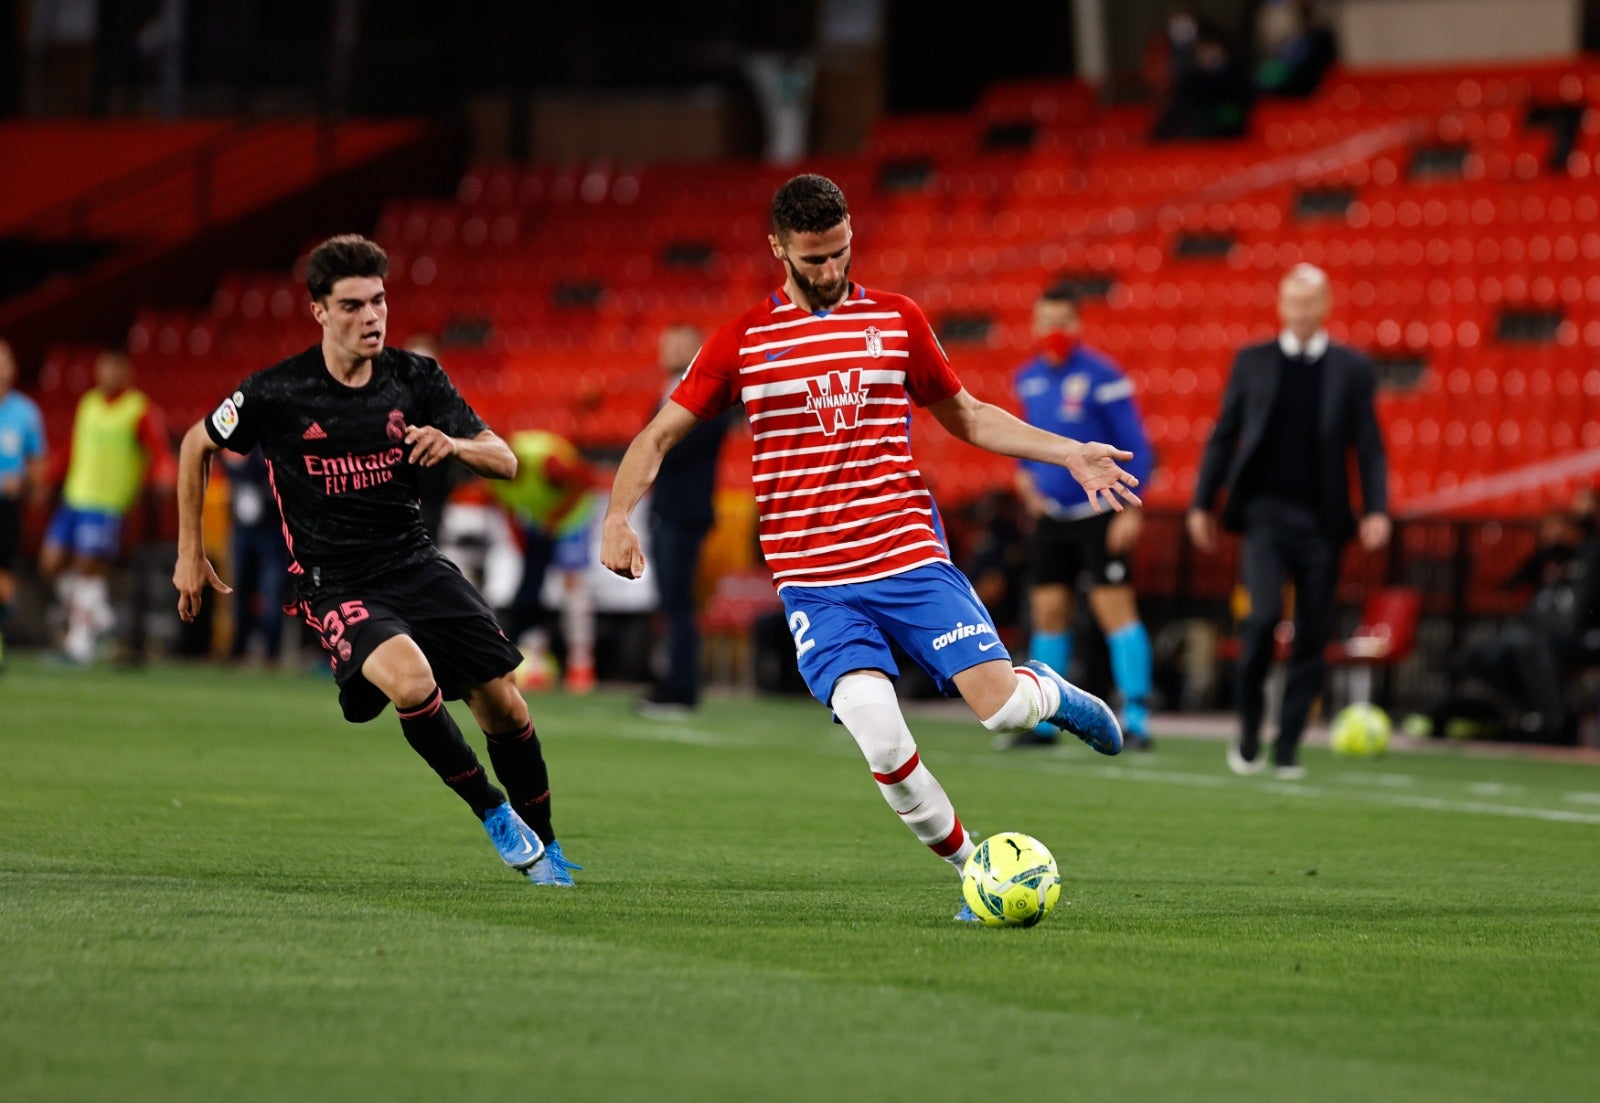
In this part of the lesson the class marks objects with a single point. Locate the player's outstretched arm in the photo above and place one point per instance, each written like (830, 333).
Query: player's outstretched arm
(1094, 465)
(194, 572)
(619, 544)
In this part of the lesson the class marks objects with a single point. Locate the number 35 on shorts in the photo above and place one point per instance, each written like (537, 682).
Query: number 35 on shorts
(335, 621)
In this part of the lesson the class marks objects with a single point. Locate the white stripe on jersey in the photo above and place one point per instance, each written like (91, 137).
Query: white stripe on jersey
(867, 376)
(1111, 392)
(892, 477)
(811, 430)
(851, 525)
(835, 315)
(795, 342)
(815, 511)
(793, 410)
(919, 526)
(797, 472)
(863, 562)
(913, 565)
(789, 453)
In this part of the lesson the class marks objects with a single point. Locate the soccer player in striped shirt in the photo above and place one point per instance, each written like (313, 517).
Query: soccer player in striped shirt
(827, 370)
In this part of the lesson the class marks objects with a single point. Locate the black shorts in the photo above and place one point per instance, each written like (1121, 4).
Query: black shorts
(435, 606)
(10, 532)
(1073, 553)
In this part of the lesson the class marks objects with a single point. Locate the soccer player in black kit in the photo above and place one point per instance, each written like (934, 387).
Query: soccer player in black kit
(345, 427)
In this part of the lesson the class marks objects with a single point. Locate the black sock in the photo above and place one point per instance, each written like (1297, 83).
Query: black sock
(433, 734)
(519, 764)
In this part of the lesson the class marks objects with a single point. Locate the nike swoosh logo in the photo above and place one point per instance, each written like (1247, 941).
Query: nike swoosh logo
(780, 352)
(986, 646)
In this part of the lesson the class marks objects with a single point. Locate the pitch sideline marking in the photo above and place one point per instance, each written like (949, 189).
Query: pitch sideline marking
(1385, 794)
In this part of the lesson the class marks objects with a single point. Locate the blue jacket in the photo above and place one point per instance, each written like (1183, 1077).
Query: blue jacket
(1086, 398)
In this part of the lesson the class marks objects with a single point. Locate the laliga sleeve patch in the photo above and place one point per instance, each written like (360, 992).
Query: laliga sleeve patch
(225, 419)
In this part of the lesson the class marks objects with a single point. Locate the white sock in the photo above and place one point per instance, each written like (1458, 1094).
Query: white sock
(78, 642)
(92, 593)
(1034, 699)
(577, 621)
(869, 710)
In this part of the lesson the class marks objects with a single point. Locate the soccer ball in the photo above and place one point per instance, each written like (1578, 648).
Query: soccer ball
(1011, 880)
(1359, 731)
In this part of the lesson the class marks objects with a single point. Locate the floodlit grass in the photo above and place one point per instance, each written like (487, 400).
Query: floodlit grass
(213, 888)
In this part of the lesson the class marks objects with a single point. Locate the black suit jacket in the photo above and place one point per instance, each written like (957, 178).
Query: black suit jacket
(686, 484)
(1348, 422)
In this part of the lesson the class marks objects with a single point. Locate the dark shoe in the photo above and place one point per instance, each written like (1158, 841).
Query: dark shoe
(1137, 741)
(1285, 763)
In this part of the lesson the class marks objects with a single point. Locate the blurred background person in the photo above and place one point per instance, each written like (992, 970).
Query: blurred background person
(1207, 89)
(22, 475)
(117, 437)
(552, 501)
(680, 516)
(1075, 391)
(997, 558)
(1296, 48)
(1532, 663)
(260, 557)
(1294, 412)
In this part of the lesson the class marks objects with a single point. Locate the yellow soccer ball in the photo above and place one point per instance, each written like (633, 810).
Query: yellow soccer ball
(1359, 731)
(1011, 880)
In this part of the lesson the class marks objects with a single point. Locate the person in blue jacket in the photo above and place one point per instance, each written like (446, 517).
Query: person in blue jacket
(1073, 390)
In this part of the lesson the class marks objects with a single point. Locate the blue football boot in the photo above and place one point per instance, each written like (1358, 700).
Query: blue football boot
(552, 868)
(1082, 714)
(519, 847)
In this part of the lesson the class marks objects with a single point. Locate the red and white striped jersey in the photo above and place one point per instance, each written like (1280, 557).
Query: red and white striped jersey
(829, 400)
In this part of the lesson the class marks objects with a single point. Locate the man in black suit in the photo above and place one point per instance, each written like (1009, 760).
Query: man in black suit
(680, 516)
(1294, 410)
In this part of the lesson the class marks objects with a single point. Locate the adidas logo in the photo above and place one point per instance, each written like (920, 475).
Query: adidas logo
(314, 432)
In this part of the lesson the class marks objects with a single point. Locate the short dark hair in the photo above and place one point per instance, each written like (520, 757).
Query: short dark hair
(808, 204)
(1065, 292)
(340, 258)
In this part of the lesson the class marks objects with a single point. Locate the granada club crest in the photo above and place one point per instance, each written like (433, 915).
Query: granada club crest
(397, 425)
(874, 342)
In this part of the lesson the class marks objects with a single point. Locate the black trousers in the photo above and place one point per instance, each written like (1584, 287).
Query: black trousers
(1283, 540)
(675, 546)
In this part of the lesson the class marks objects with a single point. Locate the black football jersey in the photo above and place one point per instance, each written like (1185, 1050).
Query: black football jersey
(336, 459)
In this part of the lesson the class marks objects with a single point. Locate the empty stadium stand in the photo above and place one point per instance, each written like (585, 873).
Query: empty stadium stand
(1456, 211)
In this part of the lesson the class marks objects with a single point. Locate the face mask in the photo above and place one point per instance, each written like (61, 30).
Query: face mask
(1058, 345)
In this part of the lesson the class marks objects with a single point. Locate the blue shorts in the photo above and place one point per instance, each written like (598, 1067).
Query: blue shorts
(87, 532)
(932, 612)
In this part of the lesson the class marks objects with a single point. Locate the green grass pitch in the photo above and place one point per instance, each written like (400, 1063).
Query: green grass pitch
(211, 888)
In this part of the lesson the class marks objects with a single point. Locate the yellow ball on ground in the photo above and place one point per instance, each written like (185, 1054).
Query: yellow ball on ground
(1011, 880)
(1360, 730)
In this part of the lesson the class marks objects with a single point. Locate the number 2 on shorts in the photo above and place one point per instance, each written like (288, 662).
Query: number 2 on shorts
(801, 624)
